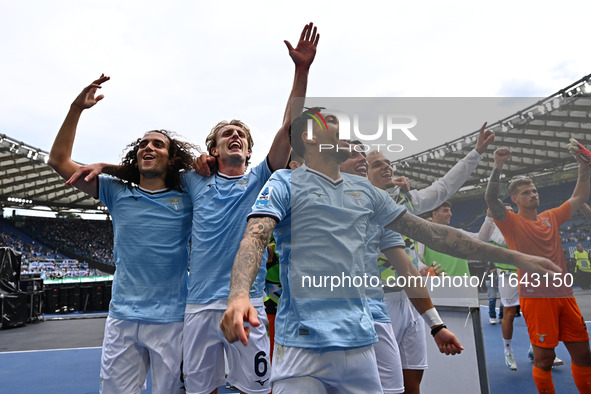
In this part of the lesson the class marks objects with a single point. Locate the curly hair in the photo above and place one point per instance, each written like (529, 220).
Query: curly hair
(180, 157)
(211, 140)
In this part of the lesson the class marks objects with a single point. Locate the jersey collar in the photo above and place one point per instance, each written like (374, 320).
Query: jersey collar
(323, 176)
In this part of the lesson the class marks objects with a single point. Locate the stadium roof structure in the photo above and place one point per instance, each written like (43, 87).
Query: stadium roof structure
(27, 182)
(536, 135)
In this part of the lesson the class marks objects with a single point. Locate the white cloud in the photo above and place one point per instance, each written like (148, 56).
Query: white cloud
(185, 65)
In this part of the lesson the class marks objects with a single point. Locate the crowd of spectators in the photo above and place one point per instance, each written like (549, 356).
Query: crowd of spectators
(39, 259)
(92, 239)
(578, 234)
(30, 251)
(58, 269)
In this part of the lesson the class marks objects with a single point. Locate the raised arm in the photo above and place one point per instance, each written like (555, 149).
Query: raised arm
(488, 227)
(303, 56)
(585, 209)
(441, 190)
(60, 157)
(448, 240)
(581, 192)
(419, 297)
(495, 205)
(244, 271)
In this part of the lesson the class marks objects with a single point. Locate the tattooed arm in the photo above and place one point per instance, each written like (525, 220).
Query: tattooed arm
(496, 206)
(244, 271)
(448, 240)
(248, 259)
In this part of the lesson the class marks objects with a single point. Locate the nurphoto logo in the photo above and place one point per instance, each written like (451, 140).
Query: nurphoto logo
(386, 129)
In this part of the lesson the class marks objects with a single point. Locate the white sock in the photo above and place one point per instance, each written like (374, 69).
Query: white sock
(507, 346)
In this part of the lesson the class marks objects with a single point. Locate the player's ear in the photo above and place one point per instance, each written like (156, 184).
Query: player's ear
(308, 137)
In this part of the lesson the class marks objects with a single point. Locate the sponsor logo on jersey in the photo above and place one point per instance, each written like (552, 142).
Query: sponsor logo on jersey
(261, 382)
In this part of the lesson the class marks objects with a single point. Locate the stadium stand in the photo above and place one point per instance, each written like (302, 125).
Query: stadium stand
(71, 247)
(52, 247)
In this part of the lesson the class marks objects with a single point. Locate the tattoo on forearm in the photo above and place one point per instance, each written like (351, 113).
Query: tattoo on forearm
(495, 175)
(496, 206)
(248, 259)
(446, 239)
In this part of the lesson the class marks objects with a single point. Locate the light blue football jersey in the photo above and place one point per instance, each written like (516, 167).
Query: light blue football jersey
(151, 251)
(330, 220)
(220, 206)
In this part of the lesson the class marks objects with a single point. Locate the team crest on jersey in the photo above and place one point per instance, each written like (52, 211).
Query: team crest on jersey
(263, 198)
(175, 202)
(242, 183)
(356, 195)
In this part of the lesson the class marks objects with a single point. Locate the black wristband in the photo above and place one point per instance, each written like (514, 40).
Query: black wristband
(435, 330)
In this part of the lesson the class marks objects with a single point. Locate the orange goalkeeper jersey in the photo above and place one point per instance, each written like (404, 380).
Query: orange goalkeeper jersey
(539, 237)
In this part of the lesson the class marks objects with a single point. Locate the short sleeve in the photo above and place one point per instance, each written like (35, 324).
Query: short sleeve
(106, 187)
(385, 209)
(391, 239)
(274, 199)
